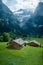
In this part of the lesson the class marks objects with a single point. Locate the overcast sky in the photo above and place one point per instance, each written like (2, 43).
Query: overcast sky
(21, 4)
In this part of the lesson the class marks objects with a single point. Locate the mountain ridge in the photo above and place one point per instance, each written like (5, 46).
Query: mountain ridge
(8, 21)
(34, 25)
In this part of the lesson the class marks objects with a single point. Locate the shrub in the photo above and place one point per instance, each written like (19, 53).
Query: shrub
(6, 37)
(1, 38)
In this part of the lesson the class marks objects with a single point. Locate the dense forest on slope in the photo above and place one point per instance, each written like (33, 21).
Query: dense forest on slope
(9, 22)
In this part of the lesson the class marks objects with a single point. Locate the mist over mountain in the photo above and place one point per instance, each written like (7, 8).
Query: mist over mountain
(15, 5)
(23, 21)
(35, 24)
(23, 12)
(23, 15)
(8, 21)
(39, 10)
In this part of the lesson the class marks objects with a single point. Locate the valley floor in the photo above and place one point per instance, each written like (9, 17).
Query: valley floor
(26, 56)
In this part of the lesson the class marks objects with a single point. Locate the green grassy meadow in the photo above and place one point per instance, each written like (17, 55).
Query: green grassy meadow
(26, 56)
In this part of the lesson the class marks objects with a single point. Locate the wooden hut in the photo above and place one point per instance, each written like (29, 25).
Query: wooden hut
(17, 44)
(34, 43)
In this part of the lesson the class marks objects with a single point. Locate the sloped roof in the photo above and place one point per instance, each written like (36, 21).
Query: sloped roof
(19, 41)
(35, 42)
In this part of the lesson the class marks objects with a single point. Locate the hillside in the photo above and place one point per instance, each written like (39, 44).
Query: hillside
(8, 21)
(34, 25)
(26, 56)
(22, 21)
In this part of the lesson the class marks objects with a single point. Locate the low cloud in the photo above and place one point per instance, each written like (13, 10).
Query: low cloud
(24, 4)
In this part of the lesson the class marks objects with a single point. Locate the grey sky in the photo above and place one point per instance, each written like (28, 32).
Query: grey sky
(24, 4)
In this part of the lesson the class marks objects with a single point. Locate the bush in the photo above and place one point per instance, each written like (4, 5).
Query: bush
(1, 38)
(6, 37)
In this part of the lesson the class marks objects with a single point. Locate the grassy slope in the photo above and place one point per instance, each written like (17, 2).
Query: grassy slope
(26, 56)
